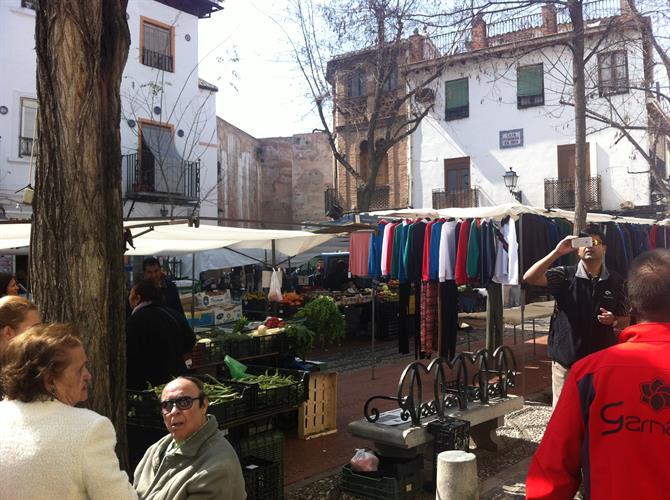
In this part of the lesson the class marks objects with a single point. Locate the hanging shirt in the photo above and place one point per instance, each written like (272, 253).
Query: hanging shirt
(501, 272)
(447, 258)
(415, 259)
(435, 236)
(425, 261)
(462, 253)
(397, 230)
(385, 249)
(652, 236)
(359, 250)
(374, 261)
(488, 252)
(402, 275)
(513, 254)
(473, 263)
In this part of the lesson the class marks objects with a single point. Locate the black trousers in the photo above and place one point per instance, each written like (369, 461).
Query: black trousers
(449, 311)
(404, 292)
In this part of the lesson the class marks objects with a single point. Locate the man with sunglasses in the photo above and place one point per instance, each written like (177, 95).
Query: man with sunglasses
(195, 460)
(590, 303)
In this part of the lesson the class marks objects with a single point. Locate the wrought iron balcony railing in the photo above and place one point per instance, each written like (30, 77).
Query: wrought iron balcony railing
(25, 146)
(157, 60)
(146, 180)
(380, 199)
(560, 193)
(452, 199)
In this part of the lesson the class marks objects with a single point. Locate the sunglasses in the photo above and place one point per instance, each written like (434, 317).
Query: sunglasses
(182, 403)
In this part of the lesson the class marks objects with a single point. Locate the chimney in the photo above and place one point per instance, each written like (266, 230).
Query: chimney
(549, 23)
(416, 45)
(479, 40)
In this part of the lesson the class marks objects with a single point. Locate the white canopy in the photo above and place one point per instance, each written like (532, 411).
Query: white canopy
(180, 238)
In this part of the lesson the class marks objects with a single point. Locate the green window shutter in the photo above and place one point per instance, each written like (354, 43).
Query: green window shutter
(457, 93)
(530, 81)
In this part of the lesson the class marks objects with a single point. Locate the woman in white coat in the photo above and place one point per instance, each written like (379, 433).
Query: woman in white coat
(48, 448)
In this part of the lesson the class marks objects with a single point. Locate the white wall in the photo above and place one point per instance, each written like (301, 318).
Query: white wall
(17, 60)
(493, 108)
(183, 104)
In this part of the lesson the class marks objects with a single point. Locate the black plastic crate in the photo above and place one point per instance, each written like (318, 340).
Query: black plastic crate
(380, 485)
(449, 434)
(399, 467)
(243, 348)
(272, 344)
(261, 478)
(387, 319)
(143, 409)
(268, 446)
(231, 410)
(287, 396)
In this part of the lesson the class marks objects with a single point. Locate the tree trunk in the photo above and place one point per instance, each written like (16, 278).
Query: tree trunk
(77, 232)
(576, 16)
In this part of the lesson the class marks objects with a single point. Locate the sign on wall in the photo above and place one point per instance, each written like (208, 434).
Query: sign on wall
(511, 138)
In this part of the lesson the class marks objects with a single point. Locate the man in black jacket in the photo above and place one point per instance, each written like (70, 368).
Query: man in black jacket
(168, 290)
(157, 338)
(590, 303)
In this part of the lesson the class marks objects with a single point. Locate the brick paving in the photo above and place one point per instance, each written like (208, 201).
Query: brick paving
(307, 460)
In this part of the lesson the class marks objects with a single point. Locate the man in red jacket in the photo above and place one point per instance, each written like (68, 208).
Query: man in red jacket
(611, 427)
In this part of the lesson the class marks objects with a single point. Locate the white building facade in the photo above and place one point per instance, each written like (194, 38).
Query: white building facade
(506, 102)
(168, 122)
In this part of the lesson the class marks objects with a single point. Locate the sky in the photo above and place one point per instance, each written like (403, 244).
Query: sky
(263, 93)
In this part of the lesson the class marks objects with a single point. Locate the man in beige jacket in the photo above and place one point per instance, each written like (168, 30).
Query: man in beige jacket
(195, 460)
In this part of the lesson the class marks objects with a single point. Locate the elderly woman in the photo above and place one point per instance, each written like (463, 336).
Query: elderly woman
(8, 285)
(49, 448)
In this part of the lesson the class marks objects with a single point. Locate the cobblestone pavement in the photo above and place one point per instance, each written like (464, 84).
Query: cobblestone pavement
(502, 475)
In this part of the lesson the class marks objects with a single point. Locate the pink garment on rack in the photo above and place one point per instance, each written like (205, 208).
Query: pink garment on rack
(359, 250)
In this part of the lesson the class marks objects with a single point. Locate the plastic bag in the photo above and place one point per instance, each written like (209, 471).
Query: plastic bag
(364, 461)
(275, 287)
(237, 369)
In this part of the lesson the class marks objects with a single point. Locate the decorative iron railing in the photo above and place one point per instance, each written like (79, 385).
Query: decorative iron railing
(25, 146)
(332, 206)
(157, 60)
(560, 193)
(453, 199)
(598, 9)
(494, 374)
(380, 199)
(143, 179)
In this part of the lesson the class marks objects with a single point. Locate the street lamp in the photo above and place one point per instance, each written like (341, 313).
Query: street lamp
(511, 178)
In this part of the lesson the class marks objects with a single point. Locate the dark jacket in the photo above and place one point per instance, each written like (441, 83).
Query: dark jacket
(574, 331)
(170, 296)
(157, 338)
(610, 427)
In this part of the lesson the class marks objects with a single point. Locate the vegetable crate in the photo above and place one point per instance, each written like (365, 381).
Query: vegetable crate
(318, 415)
(449, 434)
(261, 478)
(268, 446)
(143, 410)
(381, 485)
(285, 396)
(271, 344)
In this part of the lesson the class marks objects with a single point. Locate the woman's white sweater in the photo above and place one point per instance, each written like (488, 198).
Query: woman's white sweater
(49, 450)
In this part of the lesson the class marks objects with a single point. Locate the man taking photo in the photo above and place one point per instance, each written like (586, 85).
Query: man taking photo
(590, 303)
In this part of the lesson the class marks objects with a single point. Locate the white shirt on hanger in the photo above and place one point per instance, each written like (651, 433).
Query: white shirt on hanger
(447, 260)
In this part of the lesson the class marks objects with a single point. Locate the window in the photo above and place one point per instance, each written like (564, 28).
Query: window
(457, 99)
(28, 124)
(161, 165)
(157, 42)
(357, 83)
(391, 82)
(529, 86)
(457, 174)
(613, 73)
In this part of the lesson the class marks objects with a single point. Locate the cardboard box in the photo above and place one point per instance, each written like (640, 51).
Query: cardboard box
(227, 313)
(204, 299)
(202, 317)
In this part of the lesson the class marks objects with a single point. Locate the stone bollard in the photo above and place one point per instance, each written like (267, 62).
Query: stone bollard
(457, 476)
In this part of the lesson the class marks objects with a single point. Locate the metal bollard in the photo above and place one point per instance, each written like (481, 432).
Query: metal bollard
(457, 476)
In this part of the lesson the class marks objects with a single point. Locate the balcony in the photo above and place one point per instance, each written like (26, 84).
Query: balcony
(380, 199)
(147, 180)
(560, 193)
(157, 60)
(25, 147)
(333, 206)
(466, 198)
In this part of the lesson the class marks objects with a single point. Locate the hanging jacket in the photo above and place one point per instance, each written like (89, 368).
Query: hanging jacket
(462, 253)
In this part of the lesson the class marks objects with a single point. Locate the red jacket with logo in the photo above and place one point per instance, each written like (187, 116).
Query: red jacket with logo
(611, 425)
